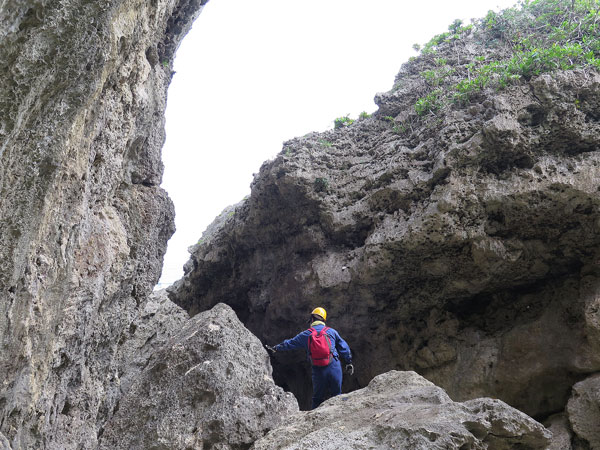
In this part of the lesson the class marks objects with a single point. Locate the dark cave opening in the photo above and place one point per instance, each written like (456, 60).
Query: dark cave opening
(556, 303)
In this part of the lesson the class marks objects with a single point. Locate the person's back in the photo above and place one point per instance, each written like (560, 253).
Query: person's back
(326, 375)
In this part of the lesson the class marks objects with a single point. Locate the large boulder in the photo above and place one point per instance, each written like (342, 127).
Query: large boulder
(210, 386)
(403, 410)
(583, 411)
(158, 319)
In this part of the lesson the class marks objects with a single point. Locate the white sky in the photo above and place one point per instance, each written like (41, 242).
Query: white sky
(252, 74)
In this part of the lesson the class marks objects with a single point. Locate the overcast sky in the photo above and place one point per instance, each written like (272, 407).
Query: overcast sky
(252, 74)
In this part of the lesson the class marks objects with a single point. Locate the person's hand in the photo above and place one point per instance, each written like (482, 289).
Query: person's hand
(270, 349)
(350, 369)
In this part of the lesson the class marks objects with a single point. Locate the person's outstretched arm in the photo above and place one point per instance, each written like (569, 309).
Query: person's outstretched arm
(298, 341)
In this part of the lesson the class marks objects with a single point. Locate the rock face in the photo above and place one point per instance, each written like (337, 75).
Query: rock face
(158, 320)
(84, 221)
(403, 410)
(463, 246)
(4, 445)
(562, 436)
(584, 411)
(210, 386)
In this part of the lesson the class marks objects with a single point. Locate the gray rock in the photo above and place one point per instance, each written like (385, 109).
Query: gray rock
(84, 221)
(403, 410)
(4, 444)
(562, 435)
(583, 410)
(158, 321)
(210, 386)
(464, 249)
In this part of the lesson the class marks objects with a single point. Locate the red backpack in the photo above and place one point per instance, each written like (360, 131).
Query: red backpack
(319, 347)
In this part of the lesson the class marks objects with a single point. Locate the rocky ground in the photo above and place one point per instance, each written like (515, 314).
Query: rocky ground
(402, 410)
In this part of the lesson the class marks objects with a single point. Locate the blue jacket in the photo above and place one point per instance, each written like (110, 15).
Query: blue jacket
(340, 347)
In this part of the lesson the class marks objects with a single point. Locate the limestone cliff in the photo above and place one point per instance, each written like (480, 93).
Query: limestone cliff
(84, 223)
(456, 232)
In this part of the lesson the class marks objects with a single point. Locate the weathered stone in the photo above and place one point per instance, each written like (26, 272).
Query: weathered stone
(158, 321)
(403, 410)
(465, 250)
(464, 246)
(583, 410)
(84, 222)
(558, 425)
(4, 444)
(210, 386)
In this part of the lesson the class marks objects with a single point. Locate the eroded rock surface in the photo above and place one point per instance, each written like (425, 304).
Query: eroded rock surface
(159, 319)
(463, 246)
(84, 221)
(584, 412)
(210, 386)
(403, 410)
(562, 435)
(4, 444)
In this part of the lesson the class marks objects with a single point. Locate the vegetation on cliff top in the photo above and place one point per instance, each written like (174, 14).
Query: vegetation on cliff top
(516, 44)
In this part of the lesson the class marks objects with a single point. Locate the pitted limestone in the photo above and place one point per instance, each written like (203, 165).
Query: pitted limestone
(403, 410)
(209, 386)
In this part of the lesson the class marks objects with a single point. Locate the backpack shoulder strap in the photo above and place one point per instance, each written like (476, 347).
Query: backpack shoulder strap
(329, 339)
(311, 337)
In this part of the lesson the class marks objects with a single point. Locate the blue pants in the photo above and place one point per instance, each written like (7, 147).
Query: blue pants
(327, 382)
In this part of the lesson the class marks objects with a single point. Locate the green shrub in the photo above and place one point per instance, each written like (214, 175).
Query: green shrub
(535, 37)
(455, 26)
(343, 121)
(436, 77)
(430, 103)
(399, 129)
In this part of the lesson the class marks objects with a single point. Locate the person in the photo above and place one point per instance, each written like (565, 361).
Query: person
(326, 378)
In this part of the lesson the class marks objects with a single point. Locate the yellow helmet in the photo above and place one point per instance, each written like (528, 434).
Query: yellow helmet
(320, 312)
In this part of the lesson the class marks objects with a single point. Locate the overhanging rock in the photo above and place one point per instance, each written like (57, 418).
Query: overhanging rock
(465, 250)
